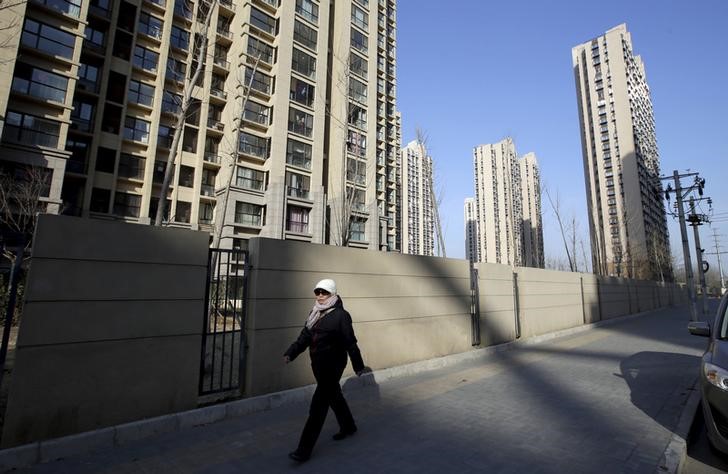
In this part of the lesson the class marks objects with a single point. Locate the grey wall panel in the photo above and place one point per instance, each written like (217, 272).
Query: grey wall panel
(79, 387)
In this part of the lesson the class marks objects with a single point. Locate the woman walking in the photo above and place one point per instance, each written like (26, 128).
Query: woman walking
(329, 336)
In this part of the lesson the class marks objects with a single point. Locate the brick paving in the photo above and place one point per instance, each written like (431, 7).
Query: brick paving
(603, 400)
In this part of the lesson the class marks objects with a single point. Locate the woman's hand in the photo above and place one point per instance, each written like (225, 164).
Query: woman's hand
(286, 359)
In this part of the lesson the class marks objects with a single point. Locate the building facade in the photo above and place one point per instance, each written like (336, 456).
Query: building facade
(291, 133)
(507, 206)
(471, 230)
(532, 227)
(627, 222)
(418, 231)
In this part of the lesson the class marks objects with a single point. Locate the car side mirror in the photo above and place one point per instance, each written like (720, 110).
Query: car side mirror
(699, 328)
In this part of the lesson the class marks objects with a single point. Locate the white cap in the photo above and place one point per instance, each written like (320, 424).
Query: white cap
(326, 284)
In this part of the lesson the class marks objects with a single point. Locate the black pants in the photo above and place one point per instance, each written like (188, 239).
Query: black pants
(327, 394)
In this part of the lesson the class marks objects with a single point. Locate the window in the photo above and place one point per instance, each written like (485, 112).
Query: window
(260, 82)
(105, 160)
(48, 39)
(140, 93)
(357, 198)
(88, 76)
(358, 65)
(304, 34)
(356, 171)
(207, 211)
(257, 113)
(357, 116)
(180, 38)
(127, 205)
(69, 7)
(359, 41)
(176, 70)
(304, 63)
(298, 185)
(79, 148)
(359, 17)
(253, 145)
(122, 44)
(248, 214)
(249, 178)
(302, 92)
(357, 229)
(30, 130)
(357, 90)
(183, 211)
(298, 154)
(171, 102)
(39, 83)
(95, 37)
(82, 115)
(100, 200)
(259, 49)
(145, 59)
(116, 87)
(297, 219)
(356, 143)
(150, 25)
(308, 10)
(300, 122)
(136, 129)
(131, 166)
(165, 135)
(186, 176)
(263, 22)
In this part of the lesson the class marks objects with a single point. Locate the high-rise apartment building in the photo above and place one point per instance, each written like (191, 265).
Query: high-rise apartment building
(418, 231)
(506, 232)
(532, 227)
(627, 220)
(293, 115)
(471, 230)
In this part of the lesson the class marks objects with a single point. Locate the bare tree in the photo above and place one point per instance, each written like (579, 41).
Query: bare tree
(9, 27)
(199, 57)
(234, 147)
(21, 202)
(556, 208)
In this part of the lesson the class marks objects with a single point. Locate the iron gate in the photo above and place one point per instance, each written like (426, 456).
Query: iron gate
(223, 334)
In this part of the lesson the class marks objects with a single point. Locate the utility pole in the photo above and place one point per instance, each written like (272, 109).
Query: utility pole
(697, 220)
(720, 265)
(684, 235)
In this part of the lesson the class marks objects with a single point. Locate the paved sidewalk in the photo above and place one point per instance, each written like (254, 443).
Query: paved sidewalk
(604, 400)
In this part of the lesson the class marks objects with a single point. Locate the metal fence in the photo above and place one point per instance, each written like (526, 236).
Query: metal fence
(223, 333)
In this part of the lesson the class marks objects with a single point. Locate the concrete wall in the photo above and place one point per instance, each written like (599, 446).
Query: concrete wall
(405, 308)
(111, 327)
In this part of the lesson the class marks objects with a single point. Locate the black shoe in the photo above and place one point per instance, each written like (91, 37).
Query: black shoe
(344, 434)
(299, 456)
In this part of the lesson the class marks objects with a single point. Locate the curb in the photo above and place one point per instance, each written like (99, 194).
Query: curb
(119, 435)
(676, 450)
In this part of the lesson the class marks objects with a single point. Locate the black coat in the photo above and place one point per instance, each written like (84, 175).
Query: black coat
(329, 340)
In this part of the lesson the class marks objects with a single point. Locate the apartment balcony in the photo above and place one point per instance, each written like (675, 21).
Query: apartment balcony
(270, 5)
(158, 5)
(216, 125)
(207, 190)
(218, 93)
(66, 7)
(221, 63)
(227, 5)
(224, 35)
(212, 158)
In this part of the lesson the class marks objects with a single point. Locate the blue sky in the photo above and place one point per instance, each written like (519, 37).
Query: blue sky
(473, 72)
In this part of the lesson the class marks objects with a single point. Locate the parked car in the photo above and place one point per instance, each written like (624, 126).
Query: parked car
(714, 375)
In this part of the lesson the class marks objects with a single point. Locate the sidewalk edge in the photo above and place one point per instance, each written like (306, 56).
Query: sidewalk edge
(113, 436)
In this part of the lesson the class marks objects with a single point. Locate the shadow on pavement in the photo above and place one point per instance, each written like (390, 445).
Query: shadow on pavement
(648, 372)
